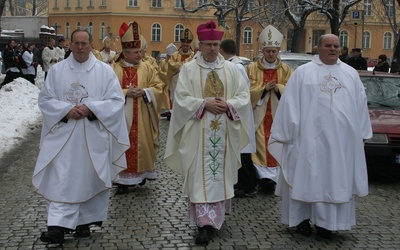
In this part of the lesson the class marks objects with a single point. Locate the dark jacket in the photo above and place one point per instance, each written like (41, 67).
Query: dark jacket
(9, 55)
(358, 63)
(382, 67)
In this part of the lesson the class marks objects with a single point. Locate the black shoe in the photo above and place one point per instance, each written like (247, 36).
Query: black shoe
(267, 185)
(82, 231)
(122, 189)
(54, 235)
(205, 235)
(143, 182)
(239, 193)
(304, 228)
(324, 233)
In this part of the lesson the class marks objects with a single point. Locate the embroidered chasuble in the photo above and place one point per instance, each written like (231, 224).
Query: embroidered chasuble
(214, 141)
(269, 75)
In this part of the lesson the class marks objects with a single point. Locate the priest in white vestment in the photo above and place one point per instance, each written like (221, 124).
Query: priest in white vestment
(84, 138)
(207, 131)
(317, 137)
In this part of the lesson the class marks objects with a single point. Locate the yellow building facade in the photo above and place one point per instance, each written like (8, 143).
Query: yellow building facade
(161, 22)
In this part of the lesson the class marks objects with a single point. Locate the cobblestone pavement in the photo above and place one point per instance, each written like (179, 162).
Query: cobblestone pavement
(153, 216)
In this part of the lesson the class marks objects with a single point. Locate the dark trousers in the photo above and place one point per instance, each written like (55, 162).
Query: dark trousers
(247, 174)
(10, 76)
(30, 78)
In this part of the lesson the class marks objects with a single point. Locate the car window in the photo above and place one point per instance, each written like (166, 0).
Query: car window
(382, 91)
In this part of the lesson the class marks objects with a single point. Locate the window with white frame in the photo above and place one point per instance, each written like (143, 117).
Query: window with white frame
(90, 3)
(250, 5)
(102, 30)
(103, 3)
(78, 3)
(247, 35)
(179, 28)
(344, 38)
(178, 3)
(132, 3)
(366, 40)
(55, 3)
(67, 3)
(387, 40)
(156, 3)
(156, 32)
(201, 2)
(389, 8)
(67, 30)
(368, 7)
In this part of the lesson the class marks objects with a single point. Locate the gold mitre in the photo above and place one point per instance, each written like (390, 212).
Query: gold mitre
(186, 36)
(271, 37)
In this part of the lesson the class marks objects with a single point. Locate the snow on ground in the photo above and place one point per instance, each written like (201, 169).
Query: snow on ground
(19, 111)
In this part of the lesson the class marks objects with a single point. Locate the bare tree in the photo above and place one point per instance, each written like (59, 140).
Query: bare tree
(27, 8)
(239, 10)
(2, 5)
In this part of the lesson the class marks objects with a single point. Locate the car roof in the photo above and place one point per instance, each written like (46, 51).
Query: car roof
(295, 56)
(377, 74)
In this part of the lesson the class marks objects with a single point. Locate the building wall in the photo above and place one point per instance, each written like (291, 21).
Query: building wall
(30, 25)
(117, 11)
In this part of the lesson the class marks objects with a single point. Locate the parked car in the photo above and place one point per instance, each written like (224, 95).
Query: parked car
(246, 61)
(294, 60)
(383, 149)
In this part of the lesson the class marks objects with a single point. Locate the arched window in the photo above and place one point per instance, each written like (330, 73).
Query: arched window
(156, 32)
(247, 35)
(366, 40)
(102, 30)
(344, 38)
(67, 30)
(179, 28)
(387, 40)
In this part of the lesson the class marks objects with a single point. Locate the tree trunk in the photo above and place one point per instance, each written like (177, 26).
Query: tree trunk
(296, 39)
(11, 5)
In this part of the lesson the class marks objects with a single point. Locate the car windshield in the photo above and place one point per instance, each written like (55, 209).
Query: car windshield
(382, 91)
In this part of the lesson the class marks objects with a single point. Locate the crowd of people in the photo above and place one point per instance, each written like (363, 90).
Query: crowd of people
(234, 130)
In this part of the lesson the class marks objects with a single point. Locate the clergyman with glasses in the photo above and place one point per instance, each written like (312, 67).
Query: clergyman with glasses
(83, 142)
(207, 132)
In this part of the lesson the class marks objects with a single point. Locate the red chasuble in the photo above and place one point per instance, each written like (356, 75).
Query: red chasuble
(269, 75)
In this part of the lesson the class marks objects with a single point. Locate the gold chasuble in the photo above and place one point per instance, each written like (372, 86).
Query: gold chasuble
(264, 110)
(142, 119)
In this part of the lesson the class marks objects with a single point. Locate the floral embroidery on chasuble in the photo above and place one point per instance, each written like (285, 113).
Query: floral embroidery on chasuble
(214, 139)
(129, 78)
(269, 74)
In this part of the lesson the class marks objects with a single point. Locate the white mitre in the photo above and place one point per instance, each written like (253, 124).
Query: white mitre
(271, 37)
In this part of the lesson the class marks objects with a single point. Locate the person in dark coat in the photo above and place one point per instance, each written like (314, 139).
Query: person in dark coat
(383, 64)
(357, 61)
(344, 54)
(10, 58)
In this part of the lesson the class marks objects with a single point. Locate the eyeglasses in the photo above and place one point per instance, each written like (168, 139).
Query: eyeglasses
(209, 45)
(83, 44)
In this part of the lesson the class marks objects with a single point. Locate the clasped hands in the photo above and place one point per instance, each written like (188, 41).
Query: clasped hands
(78, 112)
(271, 85)
(216, 106)
(134, 92)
